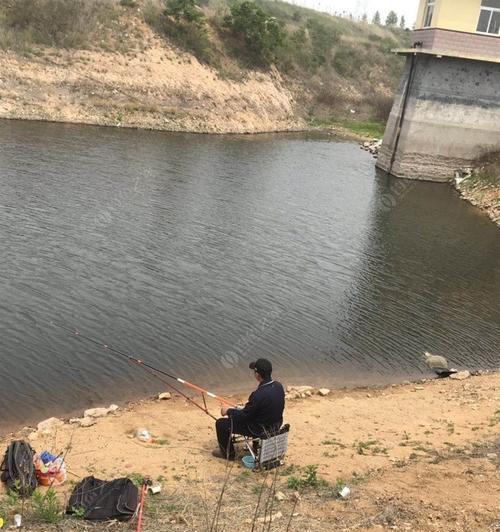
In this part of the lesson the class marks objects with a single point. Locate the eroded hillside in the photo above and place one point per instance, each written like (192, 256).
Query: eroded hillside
(124, 68)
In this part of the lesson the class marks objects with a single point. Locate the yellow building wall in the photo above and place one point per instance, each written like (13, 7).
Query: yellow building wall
(420, 15)
(458, 15)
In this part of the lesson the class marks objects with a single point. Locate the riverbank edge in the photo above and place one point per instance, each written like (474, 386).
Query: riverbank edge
(339, 132)
(415, 457)
(476, 198)
(239, 398)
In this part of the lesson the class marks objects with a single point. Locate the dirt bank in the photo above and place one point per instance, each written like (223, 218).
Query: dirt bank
(150, 86)
(416, 457)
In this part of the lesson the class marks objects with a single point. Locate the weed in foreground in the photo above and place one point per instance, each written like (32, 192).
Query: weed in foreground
(45, 507)
(309, 479)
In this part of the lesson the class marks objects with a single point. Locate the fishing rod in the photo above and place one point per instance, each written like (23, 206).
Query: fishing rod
(152, 370)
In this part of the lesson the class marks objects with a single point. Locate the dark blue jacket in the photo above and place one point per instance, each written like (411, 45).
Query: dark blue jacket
(264, 410)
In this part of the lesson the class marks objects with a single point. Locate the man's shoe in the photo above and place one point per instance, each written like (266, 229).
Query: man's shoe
(218, 454)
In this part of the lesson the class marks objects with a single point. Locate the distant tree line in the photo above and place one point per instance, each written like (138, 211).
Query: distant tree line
(391, 20)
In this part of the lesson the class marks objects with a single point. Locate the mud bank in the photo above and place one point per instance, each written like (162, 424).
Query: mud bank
(418, 456)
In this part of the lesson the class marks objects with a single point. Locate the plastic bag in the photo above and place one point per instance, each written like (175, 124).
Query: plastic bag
(50, 470)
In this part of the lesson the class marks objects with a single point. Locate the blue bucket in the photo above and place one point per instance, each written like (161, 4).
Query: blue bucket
(248, 461)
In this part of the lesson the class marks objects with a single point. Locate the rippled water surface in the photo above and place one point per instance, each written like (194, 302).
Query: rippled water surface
(199, 253)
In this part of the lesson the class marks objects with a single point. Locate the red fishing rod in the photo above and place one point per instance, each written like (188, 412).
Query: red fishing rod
(152, 370)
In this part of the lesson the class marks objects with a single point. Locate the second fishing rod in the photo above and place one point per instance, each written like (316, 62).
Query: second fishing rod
(150, 368)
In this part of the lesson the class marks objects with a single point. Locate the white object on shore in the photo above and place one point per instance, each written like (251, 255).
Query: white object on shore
(18, 520)
(345, 492)
(323, 392)
(155, 488)
(144, 435)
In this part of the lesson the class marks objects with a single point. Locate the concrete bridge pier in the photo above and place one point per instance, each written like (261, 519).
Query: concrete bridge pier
(446, 115)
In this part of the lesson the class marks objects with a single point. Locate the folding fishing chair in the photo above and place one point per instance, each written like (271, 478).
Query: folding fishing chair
(269, 450)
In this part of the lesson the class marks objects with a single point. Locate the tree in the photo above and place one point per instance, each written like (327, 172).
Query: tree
(260, 33)
(392, 19)
(186, 11)
(402, 22)
(376, 18)
(364, 18)
(185, 23)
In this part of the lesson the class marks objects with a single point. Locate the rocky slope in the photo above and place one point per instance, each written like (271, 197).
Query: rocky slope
(158, 88)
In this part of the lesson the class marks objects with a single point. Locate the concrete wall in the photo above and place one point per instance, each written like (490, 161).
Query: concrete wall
(458, 15)
(452, 118)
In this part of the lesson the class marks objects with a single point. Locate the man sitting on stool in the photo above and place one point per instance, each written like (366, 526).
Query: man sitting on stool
(262, 415)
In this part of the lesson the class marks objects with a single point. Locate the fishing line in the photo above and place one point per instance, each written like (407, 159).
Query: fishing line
(152, 370)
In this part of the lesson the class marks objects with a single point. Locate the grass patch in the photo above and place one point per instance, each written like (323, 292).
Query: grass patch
(373, 130)
(365, 129)
(369, 447)
(333, 442)
(59, 23)
(308, 479)
(495, 418)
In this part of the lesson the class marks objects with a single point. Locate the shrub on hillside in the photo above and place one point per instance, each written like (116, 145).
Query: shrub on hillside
(184, 22)
(185, 12)
(260, 34)
(63, 23)
(323, 40)
(382, 105)
(349, 61)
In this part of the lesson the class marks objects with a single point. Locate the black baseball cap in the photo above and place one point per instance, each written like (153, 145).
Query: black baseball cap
(262, 366)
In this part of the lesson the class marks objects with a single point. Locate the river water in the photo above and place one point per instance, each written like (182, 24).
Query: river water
(201, 253)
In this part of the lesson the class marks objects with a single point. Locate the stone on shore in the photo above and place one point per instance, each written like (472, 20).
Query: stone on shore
(299, 389)
(165, 396)
(48, 426)
(100, 411)
(87, 421)
(323, 392)
(460, 376)
(298, 392)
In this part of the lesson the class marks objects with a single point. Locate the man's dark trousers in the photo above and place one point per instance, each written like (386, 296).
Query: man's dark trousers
(225, 428)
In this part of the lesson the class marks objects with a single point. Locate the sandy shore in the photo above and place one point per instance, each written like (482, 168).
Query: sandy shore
(420, 456)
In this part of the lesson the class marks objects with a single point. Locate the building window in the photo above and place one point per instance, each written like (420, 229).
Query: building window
(489, 18)
(429, 12)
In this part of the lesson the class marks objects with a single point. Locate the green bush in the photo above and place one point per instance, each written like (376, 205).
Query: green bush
(63, 23)
(309, 479)
(185, 12)
(184, 22)
(323, 40)
(260, 34)
(45, 507)
(349, 61)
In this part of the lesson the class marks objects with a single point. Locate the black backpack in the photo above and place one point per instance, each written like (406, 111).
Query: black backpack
(17, 469)
(100, 500)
